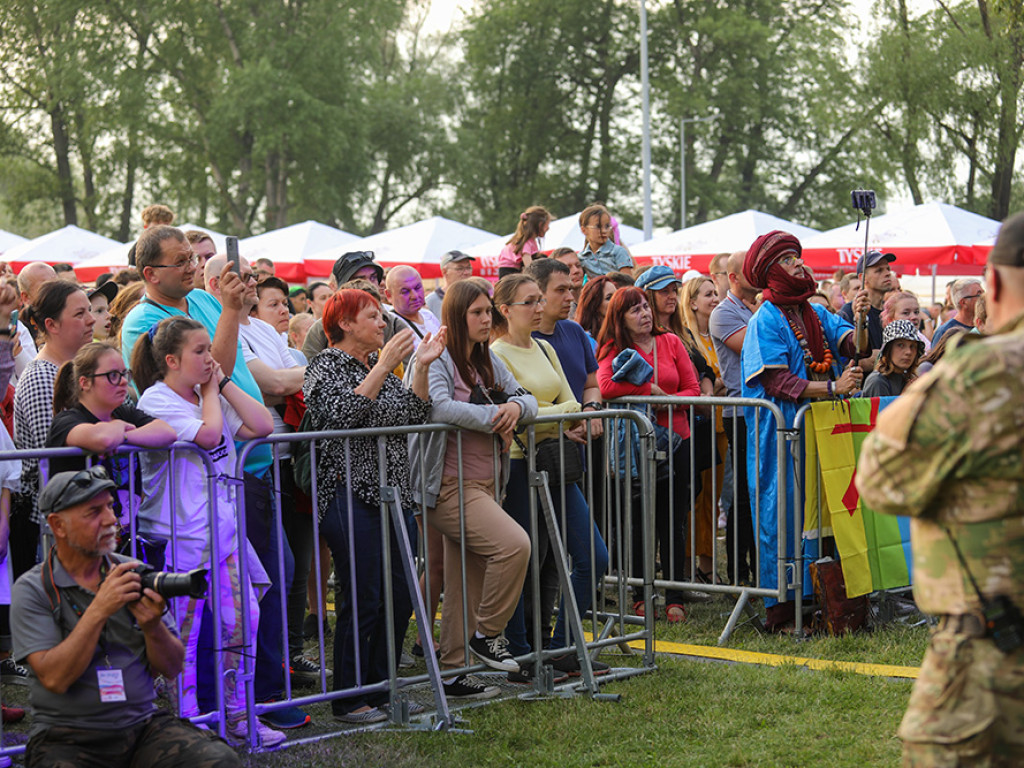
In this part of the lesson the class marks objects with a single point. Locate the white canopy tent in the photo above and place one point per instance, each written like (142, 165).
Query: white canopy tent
(289, 247)
(68, 245)
(694, 247)
(926, 236)
(420, 245)
(8, 240)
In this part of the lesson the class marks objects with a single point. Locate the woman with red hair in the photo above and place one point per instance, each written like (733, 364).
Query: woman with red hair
(350, 385)
(791, 353)
(629, 325)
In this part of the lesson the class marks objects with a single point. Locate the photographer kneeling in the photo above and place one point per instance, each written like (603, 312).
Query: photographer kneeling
(94, 639)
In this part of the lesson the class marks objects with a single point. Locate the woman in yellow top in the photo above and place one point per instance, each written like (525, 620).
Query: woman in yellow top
(518, 303)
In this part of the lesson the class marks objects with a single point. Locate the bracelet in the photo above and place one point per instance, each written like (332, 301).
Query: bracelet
(828, 385)
(223, 383)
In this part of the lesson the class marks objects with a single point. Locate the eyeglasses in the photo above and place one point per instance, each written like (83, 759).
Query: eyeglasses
(83, 479)
(193, 261)
(529, 303)
(115, 376)
(789, 261)
(600, 227)
(249, 277)
(975, 296)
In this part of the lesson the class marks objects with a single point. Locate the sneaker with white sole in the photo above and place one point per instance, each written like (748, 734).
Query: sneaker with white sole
(13, 672)
(493, 651)
(266, 736)
(307, 671)
(466, 688)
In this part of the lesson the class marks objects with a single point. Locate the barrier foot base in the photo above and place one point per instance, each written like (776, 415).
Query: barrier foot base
(616, 697)
(742, 605)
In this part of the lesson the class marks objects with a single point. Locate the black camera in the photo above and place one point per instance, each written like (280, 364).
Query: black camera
(864, 200)
(191, 584)
(1004, 623)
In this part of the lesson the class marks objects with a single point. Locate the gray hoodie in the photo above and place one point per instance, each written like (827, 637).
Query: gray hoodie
(446, 410)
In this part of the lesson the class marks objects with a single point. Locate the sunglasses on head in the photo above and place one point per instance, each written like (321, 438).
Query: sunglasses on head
(83, 479)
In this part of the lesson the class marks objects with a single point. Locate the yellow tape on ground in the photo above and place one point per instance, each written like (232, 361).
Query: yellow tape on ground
(777, 660)
(769, 659)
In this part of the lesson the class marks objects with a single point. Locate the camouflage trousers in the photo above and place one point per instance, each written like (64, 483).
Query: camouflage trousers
(163, 741)
(967, 708)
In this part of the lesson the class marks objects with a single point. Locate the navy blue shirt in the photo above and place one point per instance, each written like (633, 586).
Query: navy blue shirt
(572, 345)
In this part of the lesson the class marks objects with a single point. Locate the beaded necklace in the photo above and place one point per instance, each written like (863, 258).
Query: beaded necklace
(826, 364)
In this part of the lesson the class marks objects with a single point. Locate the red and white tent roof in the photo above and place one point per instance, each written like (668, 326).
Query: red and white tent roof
(420, 245)
(694, 247)
(68, 245)
(922, 236)
(289, 247)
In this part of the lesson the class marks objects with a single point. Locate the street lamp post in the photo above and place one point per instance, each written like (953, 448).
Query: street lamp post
(645, 100)
(682, 162)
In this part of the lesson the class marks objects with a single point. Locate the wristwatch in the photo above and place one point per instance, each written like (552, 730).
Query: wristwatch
(593, 405)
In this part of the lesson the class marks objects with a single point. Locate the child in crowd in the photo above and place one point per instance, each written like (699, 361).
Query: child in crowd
(902, 305)
(600, 254)
(179, 379)
(525, 243)
(897, 362)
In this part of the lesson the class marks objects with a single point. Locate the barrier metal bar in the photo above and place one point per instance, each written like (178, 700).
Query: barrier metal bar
(783, 432)
(218, 716)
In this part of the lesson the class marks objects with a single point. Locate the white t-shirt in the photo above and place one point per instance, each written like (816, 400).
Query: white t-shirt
(27, 354)
(261, 342)
(190, 512)
(430, 324)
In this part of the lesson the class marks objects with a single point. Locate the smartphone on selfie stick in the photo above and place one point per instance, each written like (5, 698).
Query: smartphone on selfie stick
(233, 257)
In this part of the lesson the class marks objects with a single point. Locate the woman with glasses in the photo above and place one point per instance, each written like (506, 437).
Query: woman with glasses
(62, 319)
(93, 414)
(519, 303)
(793, 351)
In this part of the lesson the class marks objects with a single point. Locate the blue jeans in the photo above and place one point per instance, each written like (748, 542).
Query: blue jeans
(361, 623)
(577, 532)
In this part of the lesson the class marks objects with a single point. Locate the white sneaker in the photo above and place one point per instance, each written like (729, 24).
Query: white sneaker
(265, 735)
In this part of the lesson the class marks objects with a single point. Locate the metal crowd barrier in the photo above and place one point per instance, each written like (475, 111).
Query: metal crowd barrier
(610, 628)
(683, 512)
(217, 717)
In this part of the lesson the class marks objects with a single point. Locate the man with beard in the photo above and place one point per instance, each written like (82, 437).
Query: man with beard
(94, 640)
(792, 351)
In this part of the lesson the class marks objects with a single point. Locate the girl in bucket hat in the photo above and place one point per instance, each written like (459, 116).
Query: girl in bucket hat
(897, 362)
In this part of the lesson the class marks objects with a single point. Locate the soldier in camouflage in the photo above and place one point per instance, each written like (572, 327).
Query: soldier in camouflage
(950, 454)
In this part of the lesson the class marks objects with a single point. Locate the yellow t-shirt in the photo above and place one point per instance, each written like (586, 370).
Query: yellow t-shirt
(540, 373)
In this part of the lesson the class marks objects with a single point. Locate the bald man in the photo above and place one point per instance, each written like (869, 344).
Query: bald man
(404, 289)
(30, 279)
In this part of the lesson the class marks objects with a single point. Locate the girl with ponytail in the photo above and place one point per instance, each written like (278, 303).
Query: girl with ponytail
(524, 246)
(178, 378)
(92, 413)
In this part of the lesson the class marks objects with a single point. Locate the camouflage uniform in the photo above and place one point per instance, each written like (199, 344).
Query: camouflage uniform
(950, 454)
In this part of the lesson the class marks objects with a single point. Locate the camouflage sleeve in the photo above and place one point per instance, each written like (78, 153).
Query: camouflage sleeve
(921, 442)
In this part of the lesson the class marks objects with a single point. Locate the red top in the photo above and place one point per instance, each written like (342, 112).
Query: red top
(674, 373)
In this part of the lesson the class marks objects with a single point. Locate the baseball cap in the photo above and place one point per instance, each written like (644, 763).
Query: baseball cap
(453, 256)
(348, 264)
(656, 278)
(1009, 248)
(108, 289)
(66, 489)
(871, 258)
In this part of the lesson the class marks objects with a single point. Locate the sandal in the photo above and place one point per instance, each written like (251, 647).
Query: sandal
(640, 610)
(675, 613)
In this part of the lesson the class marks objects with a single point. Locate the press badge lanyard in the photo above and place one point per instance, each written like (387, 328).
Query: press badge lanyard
(110, 681)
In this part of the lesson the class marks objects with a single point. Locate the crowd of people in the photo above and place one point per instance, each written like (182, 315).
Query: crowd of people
(184, 346)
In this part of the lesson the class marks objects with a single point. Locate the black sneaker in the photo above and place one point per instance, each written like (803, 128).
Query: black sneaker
(465, 688)
(524, 675)
(570, 665)
(493, 651)
(307, 671)
(12, 672)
